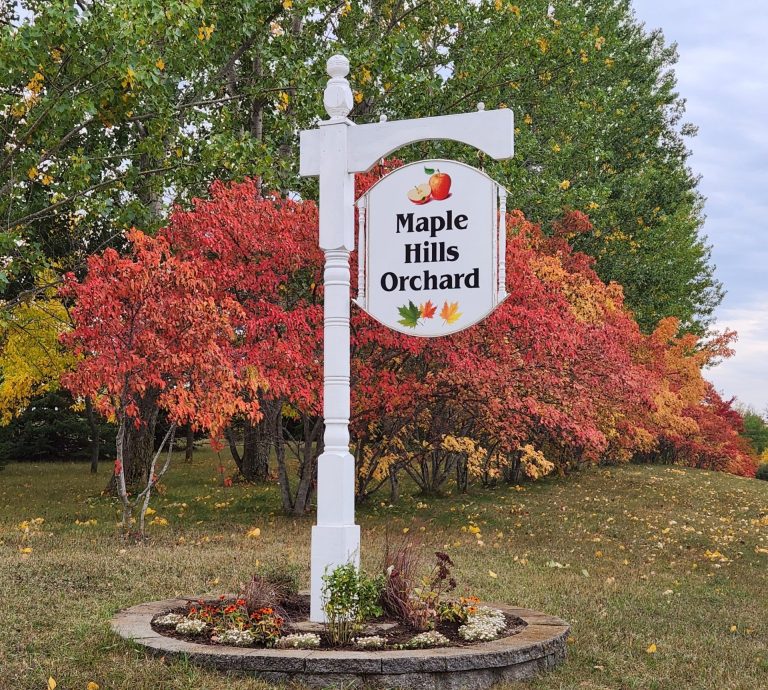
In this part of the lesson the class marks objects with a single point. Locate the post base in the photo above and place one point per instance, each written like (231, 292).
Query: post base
(332, 545)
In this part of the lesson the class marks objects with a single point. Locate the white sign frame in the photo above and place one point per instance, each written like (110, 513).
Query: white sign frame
(497, 257)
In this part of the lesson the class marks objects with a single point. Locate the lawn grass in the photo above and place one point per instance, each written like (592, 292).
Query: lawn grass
(631, 556)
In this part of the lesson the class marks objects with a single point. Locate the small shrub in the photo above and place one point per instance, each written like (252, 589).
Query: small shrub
(457, 611)
(762, 472)
(401, 566)
(416, 600)
(260, 593)
(265, 624)
(349, 598)
(286, 578)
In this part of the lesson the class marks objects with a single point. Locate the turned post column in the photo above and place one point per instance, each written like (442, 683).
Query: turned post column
(335, 537)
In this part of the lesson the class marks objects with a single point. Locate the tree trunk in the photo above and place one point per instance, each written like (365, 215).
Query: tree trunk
(263, 439)
(189, 451)
(139, 444)
(233, 449)
(462, 473)
(394, 485)
(310, 448)
(308, 468)
(249, 469)
(253, 462)
(95, 434)
(282, 468)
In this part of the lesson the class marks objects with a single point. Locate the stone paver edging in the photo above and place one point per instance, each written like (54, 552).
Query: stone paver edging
(539, 647)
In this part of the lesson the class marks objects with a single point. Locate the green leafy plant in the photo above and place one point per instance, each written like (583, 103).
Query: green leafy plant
(350, 597)
(762, 472)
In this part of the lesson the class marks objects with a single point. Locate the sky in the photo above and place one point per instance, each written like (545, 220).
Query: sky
(723, 75)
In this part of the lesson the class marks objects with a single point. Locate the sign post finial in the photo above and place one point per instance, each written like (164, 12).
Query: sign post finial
(337, 97)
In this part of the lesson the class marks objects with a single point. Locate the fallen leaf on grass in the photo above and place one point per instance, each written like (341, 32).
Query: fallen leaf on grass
(253, 533)
(651, 649)
(492, 574)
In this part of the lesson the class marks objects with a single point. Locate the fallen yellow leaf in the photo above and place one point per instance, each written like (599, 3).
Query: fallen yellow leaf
(51, 683)
(92, 686)
(651, 649)
(253, 533)
(492, 574)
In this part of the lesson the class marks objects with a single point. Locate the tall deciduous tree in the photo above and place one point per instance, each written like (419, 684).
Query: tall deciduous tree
(148, 332)
(263, 253)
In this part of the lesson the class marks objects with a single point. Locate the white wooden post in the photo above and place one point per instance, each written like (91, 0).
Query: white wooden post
(335, 537)
(334, 151)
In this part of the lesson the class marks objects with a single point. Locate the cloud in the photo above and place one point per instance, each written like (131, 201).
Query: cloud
(746, 374)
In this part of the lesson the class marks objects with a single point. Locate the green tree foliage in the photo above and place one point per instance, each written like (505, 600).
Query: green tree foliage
(51, 428)
(112, 111)
(599, 129)
(756, 430)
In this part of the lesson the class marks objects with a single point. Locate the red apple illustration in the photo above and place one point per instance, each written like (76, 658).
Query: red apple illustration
(420, 194)
(440, 184)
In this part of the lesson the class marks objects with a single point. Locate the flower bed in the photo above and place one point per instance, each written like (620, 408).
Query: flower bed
(226, 621)
(407, 605)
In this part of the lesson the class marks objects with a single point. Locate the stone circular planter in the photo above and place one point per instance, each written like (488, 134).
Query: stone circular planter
(539, 647)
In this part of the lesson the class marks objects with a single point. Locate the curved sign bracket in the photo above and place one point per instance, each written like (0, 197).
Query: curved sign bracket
(490, 131)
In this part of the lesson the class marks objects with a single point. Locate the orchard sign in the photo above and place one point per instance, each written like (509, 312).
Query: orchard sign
(431, 262)
(431, 248)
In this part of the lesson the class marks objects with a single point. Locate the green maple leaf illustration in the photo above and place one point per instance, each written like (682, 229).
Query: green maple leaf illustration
(410, 314)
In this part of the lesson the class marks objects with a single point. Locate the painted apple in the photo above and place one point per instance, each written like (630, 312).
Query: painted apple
(420, 194)
(440, 185)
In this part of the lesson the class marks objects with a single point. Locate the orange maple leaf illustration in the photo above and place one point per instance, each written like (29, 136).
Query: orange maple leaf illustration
(450, 312)
(427, 310)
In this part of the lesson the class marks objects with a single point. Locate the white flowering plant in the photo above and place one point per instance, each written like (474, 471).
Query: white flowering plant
(484, 623)
(298, 641)
(169, 620)
(369, 642)
(191, 626)
(428, 639)
(236, 638)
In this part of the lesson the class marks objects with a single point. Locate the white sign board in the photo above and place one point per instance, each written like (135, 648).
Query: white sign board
(431, 254)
